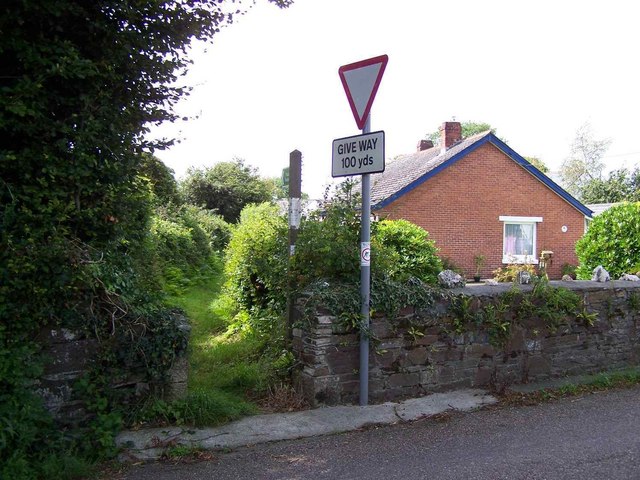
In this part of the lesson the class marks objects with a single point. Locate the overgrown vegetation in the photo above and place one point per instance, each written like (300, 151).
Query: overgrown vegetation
(544, 304)
(236, 351)
(256, 260)
(81, 83)
(613, 241)
(406, 251)
(621, 186)
(181, 243)
(325, 267)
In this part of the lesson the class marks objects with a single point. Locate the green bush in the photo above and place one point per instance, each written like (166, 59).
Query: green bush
(176, 244)
(257, 257)
(182, 241)
(613, 241)
(327, 252)
(328, 241)
(326, 262)
(328, 245)
(408, 251)
(216, 229)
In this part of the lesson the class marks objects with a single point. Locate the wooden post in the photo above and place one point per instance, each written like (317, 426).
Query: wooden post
(295, 211)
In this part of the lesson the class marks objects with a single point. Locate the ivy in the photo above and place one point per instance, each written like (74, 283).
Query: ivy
(553, 306)
(388, 297)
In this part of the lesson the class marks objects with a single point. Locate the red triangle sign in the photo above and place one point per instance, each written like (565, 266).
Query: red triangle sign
(361, 81)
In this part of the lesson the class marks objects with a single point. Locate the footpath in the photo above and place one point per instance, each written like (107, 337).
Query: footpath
(149, 444)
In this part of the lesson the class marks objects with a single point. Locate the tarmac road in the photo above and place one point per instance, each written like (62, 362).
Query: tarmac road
(595, 436)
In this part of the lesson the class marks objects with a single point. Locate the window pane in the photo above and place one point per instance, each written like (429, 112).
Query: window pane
(518, 239)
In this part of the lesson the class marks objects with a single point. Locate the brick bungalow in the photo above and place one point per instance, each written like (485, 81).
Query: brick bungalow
(477, 196)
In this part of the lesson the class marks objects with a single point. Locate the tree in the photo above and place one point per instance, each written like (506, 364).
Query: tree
(621, 185)
(226, 188)
(472, 128)
(80, 83)
(584, 164)
(278, 187)
(539, 164)
(161, 180)
(280, 190)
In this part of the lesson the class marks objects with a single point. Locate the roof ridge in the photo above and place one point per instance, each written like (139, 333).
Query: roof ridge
(411, 170)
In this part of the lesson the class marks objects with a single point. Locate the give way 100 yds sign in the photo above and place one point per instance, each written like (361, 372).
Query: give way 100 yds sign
(358, 155)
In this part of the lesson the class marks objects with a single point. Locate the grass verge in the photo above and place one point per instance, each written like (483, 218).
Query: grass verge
(602, 381)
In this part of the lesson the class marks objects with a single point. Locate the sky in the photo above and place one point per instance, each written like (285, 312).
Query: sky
(535, 71)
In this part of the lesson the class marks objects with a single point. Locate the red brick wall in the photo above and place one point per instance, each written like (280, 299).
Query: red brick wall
(460, 206)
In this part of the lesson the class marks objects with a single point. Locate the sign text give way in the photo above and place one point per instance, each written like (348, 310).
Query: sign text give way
(358, 155)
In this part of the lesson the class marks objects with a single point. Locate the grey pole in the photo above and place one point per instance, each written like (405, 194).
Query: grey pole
(365, 280)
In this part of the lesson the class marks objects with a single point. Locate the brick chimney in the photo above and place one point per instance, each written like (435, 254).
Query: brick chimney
(450, 134)
(425, 145)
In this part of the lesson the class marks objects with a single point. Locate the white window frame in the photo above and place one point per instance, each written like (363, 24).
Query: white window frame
(512, 220)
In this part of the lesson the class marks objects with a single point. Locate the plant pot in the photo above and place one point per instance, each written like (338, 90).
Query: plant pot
(476, 278)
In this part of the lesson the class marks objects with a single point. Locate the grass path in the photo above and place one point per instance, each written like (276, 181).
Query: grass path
(224, 364)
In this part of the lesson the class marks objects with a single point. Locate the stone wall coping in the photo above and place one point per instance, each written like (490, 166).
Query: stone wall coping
(480, 289)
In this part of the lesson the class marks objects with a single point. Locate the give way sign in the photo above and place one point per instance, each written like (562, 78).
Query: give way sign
(361, 81)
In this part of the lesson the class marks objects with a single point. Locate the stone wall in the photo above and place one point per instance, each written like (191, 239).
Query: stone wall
(415, 353)
(69, 356)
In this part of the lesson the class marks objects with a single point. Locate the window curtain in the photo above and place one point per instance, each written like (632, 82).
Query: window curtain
(518, 239)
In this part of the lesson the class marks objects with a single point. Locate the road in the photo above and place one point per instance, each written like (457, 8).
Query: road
(594, 436)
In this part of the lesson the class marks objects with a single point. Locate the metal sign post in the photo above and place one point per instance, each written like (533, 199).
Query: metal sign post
(365, 279)
(361, 81)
